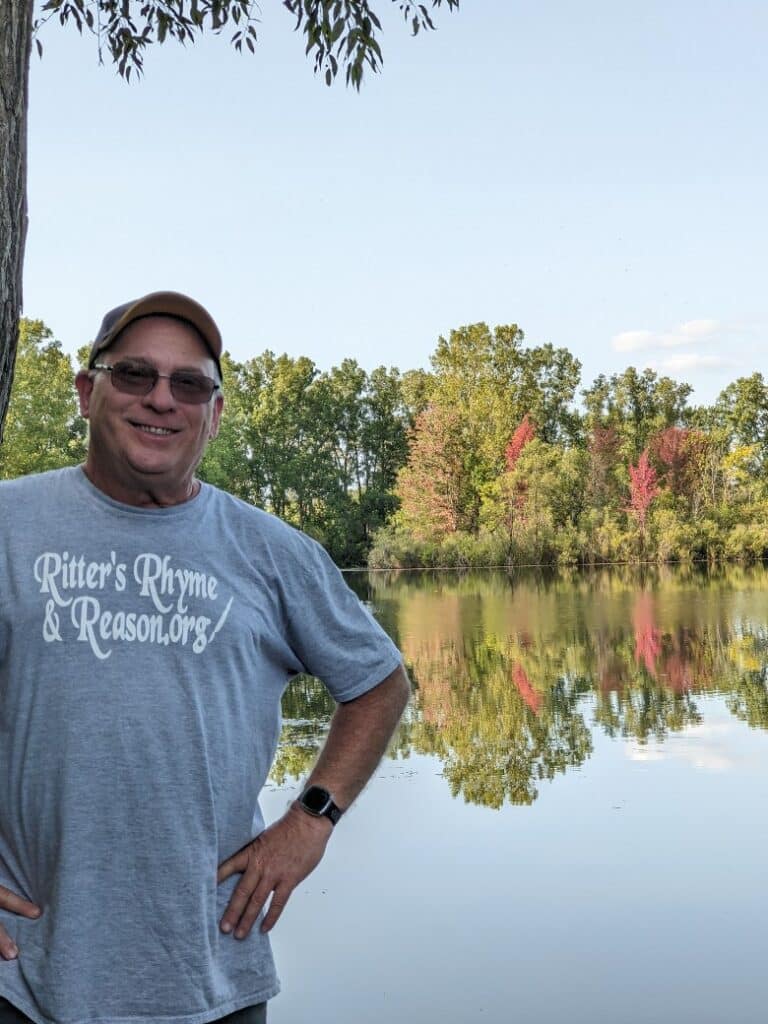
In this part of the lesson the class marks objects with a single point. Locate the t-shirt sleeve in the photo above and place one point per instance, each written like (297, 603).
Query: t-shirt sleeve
(331, 632)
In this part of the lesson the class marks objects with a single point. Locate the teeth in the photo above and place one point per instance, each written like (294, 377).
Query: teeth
(154, 430)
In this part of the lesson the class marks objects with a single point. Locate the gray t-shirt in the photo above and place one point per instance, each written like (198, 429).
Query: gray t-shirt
(143, 654)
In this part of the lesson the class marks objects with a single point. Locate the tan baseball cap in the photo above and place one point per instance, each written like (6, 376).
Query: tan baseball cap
(158, 304)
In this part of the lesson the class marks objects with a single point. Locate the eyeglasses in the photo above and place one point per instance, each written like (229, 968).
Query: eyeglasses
(140, 378)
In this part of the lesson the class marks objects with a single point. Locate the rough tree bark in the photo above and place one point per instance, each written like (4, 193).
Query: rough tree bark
(15, 45)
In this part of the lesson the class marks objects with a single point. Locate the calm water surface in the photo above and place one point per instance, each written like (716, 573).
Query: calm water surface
(571, 824)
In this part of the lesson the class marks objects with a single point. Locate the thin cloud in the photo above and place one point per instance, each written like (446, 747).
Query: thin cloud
(697, 329)
(688, 333)
(709, 748)
(633, 341)
(695, 361)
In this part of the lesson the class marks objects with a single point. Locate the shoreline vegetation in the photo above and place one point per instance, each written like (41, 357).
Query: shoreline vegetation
(496, 456)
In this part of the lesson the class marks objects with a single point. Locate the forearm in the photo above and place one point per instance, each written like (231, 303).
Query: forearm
(358, 737)
(284, 854)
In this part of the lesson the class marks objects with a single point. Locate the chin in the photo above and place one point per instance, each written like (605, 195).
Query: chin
(153, 468)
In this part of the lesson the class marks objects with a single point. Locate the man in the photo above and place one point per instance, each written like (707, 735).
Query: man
(149, 624)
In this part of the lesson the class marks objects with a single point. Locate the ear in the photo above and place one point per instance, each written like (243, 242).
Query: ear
(218, 405)
(84, 385)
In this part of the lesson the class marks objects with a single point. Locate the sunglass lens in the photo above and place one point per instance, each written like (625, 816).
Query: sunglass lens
(135, 380)
(192, 388)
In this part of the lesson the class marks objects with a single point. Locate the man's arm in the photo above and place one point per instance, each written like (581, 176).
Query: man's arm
(276, 861)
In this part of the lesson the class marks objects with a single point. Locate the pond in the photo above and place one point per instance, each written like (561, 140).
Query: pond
(571, 821)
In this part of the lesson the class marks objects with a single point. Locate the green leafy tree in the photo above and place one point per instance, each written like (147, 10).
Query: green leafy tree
(491, 381)
(321, 450)
(227, 462)
(547, 485)
(603, 449)
(338, 34)
(742, 409)
(636, 405)
(384, 448)
(288, 436)
(43, 429)
(417, 389)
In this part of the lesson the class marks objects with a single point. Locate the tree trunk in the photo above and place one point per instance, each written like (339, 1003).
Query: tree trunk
(15, 46)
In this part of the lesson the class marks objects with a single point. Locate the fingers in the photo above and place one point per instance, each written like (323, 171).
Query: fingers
(236, 864)
(272, 864)
(276, 907)
(17, 904)
(249, 895)
(8, 948)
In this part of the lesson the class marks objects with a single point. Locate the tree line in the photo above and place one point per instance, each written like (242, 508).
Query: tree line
(483, 459)
(503, 468)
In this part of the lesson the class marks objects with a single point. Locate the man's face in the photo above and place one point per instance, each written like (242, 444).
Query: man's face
(153, 442)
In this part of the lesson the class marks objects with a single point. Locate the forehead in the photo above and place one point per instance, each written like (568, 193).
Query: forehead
(163, 340)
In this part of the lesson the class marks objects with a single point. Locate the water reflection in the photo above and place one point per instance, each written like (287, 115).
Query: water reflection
(513, 675)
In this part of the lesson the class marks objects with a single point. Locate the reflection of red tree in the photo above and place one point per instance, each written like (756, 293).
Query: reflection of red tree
(647, 636)
(435, 665)
(672, 665)
(527, 692)
(677, 670)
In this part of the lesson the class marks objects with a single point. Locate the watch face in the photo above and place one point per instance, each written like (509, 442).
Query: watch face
(316, 799)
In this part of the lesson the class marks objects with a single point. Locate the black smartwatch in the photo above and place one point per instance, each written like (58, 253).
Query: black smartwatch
(317, 801)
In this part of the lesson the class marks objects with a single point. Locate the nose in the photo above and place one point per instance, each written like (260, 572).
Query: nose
(160, 397)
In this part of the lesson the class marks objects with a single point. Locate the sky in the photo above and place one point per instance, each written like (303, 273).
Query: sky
(593, 172)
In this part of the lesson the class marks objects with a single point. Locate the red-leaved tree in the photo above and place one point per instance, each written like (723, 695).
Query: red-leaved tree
(643, 488)
(431, 487)
(672, 450)
(525, 432)
(685, 456)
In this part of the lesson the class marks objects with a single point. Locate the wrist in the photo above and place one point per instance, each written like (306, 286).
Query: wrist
(315, 826)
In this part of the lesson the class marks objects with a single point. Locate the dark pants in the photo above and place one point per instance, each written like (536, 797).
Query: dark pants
(250, 1015)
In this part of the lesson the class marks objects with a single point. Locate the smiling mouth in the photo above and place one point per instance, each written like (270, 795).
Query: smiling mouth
(154, 431)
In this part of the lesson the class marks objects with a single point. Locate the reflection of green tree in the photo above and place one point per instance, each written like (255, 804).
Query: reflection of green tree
(747, 696)
(307, 711)
(506, 751)
(504, 668)
(307, 708)
(497, 734)
(750, 701)
(298, 749)
(644, 711)
(307, 701)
